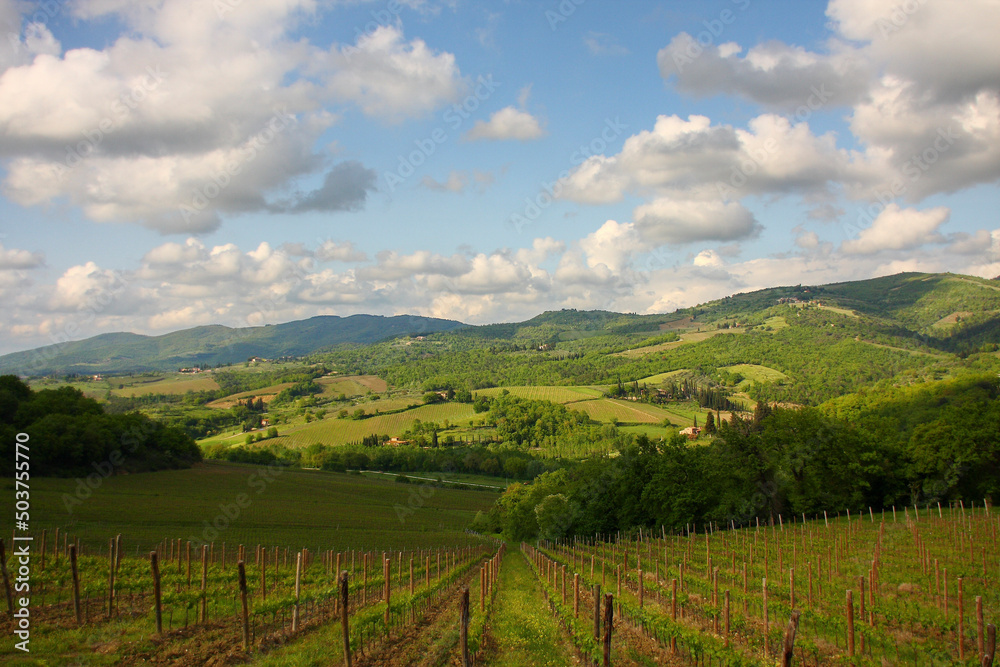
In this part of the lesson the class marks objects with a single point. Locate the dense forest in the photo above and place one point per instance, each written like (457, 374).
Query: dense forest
(937, 442)
(76, 437)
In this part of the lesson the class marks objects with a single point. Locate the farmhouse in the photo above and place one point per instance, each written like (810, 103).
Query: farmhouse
(691, 432)
(396, 442)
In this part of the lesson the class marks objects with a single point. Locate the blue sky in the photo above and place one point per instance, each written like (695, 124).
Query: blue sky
(171, 163)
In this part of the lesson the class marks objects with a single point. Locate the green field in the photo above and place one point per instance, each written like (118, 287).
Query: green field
(267, 394)
(660, 378)
(166, 384)
(756, 373)
(606, 409)
(553, 394)
(335, 431)
(352, 385)
(293, 508)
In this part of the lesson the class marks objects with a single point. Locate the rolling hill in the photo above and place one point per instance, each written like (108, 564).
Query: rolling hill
(216, 344)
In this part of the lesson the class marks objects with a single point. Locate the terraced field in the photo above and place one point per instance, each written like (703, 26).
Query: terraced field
(606, 409)
(352, 385)
(561, 395)
(177, 384)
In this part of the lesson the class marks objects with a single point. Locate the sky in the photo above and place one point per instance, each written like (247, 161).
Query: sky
(166, 164)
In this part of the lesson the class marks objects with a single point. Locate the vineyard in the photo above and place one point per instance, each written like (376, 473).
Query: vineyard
(914, 585)
(189, 605)
(918, 586)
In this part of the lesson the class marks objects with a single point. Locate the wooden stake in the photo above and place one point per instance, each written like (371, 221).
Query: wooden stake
(76, 584)
(298, 589)
(961, 621)
(789, 647)
(156, 591)
(345, 623)
(387, 586)
(464, 633)
(609, 617)
(980, 640)
(850, 623)
(204, 583)
(245, 617)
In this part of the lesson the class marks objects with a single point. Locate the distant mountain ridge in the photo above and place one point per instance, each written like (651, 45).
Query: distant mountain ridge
(944, 310)
(215, 344)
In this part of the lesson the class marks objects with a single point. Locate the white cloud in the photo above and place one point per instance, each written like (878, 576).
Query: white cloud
(457, 181)
(393, 79)
(773, 74)
(899, 229)
(339, 252)
(612, 245)
(14, 258)
(506, 124)
(678, 221)
(603, 44)
(104, 129)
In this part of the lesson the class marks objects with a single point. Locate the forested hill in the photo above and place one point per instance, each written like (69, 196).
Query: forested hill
(797, 344)
(74, 436)
(211, 345)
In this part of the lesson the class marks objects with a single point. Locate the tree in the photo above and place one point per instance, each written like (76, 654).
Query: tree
(710, 424)
(554, 516)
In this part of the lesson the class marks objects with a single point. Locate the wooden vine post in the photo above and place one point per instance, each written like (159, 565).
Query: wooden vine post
(850, 623)
(298, 590)
(344, 621)
(387, 583)
(789, 647)
(155, 566)
(204, 584)
(245, 610)
(989, 650)
(609, 617)
(111, 577)
(463, 611)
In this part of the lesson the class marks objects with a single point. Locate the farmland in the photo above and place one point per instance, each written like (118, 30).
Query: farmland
(915, 585)
(289, 507)
(553, 394)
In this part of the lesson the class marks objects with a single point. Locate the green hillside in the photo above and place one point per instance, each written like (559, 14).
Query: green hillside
(211, 345)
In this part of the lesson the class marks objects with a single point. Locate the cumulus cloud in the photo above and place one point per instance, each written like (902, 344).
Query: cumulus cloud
(672, 221)
(772, 74)
(509, 123)
(899, 229)
(255, 102)
(14, 258)
(391, 78)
